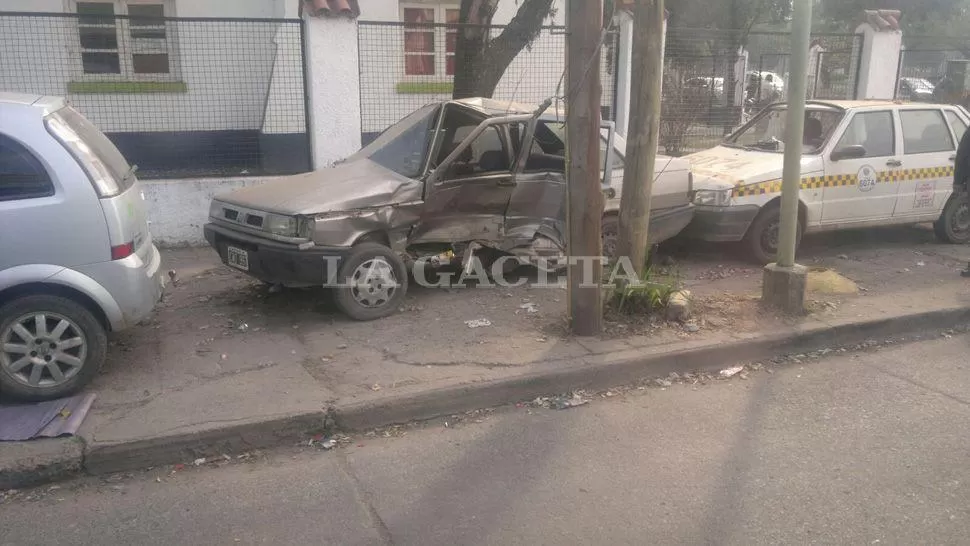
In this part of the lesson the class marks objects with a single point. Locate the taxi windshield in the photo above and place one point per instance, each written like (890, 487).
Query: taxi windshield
(766, 132)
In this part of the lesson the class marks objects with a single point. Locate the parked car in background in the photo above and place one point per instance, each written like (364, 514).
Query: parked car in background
(764, 87)
(916, 89)
(865, 163)
(449, 178)
(712, 86)
(76, 256)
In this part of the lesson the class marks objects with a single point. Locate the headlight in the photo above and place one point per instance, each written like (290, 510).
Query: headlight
(278, 224)
(713, 198)
(215, 210)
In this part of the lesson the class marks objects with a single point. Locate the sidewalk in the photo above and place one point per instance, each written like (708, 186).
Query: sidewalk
(223, 365)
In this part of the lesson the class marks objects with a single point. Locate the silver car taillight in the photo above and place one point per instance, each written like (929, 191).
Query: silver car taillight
(102, 179)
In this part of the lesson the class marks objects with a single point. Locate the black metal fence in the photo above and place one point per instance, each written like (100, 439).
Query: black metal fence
(715, 80)
(934, 69)
(181, 97)
(404, 66)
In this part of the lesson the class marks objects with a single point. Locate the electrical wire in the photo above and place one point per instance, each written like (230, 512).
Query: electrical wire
(594, 57)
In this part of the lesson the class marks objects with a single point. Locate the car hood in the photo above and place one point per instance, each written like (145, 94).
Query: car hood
(348, 186)
(723, 167)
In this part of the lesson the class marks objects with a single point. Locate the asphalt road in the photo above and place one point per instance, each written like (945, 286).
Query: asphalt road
(866, 448)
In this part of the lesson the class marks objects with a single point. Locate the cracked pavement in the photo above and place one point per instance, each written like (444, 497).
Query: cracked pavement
(221, 349)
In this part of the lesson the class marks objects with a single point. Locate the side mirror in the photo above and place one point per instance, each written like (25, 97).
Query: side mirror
(849, 152)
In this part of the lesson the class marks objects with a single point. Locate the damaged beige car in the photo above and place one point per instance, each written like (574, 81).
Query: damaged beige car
(449, 179)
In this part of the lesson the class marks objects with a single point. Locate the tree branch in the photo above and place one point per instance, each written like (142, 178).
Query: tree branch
(520, 32)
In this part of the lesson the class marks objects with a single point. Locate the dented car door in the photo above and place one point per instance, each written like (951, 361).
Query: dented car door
(538, 203)
(468, 188)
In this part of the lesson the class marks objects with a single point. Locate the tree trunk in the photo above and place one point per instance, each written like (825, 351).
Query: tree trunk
(643, 140)
(480, 60)
(471, 45)
(584, 200)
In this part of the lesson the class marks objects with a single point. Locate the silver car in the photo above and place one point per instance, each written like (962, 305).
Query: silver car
(76, 256)
(455, 178)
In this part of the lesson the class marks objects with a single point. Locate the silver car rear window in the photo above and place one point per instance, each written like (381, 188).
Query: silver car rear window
(99, 144)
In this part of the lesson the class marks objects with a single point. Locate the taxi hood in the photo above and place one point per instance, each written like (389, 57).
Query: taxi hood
(723, 167)
(347, 186)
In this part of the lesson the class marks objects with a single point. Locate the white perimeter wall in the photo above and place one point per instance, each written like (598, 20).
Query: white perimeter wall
(177, 209)
(37, 57)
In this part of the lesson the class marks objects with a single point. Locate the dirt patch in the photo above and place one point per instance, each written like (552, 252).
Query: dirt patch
(828, 281)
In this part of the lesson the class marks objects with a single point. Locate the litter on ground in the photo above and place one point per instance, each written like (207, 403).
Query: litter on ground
(478, 323)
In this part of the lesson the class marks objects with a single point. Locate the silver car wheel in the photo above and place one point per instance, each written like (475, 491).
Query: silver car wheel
(373, 283)
(42, 349)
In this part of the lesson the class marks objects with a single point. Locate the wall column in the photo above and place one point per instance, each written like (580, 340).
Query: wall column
(882, 45)
(333, 75)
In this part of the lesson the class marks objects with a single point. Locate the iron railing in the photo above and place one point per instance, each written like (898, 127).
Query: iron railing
(180, 97)
(404, 66)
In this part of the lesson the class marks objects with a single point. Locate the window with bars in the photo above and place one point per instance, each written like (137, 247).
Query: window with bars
(429, 50)
(136, 46)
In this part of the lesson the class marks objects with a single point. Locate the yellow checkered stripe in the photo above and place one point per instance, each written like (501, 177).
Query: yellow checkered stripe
(840, 180)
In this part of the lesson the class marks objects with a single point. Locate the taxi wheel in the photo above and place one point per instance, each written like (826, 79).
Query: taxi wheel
(372, 282)
(761, 241)
(954, 223)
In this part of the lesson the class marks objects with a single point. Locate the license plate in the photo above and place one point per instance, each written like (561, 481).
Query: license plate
(238, 258)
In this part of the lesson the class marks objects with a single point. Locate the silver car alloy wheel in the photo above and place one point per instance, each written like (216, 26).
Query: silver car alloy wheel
(42, 349)
(373, 283)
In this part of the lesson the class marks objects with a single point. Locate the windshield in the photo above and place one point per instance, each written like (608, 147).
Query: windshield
(766, 132)
(403, 146)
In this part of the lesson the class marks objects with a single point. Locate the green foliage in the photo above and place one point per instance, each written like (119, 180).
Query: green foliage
(649, 296)
(919, 16)
(740, 15)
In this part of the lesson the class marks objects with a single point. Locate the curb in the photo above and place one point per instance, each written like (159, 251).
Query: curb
(708, 358)
(25, 464)
(32, 465)
(186, 447)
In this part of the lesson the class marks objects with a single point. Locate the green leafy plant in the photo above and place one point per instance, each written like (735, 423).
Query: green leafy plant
(650, 295)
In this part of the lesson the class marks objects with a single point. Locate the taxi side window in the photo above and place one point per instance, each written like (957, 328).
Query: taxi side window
(959, 127)
(925, 131)
(873, 131)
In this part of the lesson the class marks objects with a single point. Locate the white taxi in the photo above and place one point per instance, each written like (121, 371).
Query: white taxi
(864, 163)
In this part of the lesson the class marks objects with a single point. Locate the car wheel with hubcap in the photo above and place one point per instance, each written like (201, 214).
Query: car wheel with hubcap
(761, 241)
(611, 235)
(49, 347)
(953, 225)
(373, 281)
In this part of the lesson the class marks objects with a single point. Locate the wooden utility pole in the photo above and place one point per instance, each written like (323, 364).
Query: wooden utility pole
(585, 196)
(644, 131)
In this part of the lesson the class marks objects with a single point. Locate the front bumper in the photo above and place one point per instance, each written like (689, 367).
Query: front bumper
(721, 224)
(667, 223)
(275, 262)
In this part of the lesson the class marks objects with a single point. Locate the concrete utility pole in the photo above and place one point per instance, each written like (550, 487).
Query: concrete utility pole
(585, 196)
(784, 281)
(644, 132)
